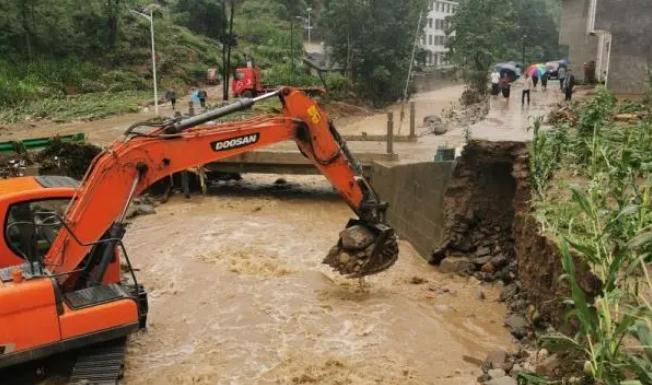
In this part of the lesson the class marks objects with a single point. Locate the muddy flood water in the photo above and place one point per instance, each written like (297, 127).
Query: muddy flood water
(238, 295)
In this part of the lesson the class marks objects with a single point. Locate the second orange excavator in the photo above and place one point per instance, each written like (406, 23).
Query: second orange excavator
(61, 286)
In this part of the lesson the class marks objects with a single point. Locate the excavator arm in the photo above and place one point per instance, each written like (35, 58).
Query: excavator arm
(95, 219)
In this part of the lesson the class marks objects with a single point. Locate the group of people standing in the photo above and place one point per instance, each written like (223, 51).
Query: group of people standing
(503, 83)
(197, 95)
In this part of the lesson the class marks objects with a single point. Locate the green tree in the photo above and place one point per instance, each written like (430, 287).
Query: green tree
(373, 40)
(205, 17)
(490, 31)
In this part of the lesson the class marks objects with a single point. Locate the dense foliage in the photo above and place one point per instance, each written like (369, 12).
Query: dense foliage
(373, 40)
(604, 216)
(491, 31)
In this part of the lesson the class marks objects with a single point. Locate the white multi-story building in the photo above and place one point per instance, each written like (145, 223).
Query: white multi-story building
(434, 37)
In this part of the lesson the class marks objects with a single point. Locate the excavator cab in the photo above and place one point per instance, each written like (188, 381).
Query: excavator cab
(28, 206)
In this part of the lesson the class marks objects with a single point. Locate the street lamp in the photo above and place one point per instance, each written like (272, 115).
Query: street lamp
(150, 18)
(309, 10)
(524, 38)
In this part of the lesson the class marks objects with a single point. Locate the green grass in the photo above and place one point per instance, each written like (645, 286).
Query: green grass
(82, 107)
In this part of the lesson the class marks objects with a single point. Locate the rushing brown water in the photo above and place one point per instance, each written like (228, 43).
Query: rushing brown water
(238, 296)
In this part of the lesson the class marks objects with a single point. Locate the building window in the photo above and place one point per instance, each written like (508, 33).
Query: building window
(429, 39)
(430, 22)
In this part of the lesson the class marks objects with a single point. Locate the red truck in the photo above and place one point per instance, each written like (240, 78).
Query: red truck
(247, 82)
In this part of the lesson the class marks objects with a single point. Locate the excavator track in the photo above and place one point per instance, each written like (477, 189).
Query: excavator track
(100, 365)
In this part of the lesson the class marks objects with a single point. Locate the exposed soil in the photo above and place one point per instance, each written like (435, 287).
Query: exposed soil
(488, 187)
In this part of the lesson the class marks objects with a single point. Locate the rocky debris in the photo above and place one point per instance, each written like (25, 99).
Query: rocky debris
(505, 380)
(496, 359)
(354, 256)
(548, 366)
(489, 185)
(518, 325)
(143, 205)
(356, 238)
(496, 373)
(14, 165)
(66, 158)
(458, 265)
(529, 360)
(435, 124)
(562, 114)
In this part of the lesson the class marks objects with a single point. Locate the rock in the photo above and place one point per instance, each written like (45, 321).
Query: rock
(496, 359)
(520, 333)
(480, 295)
(280, 181)
(515, 321)
(482, 260)
(432, 119)
(508, 292)
(516, 370)
(542, 355)
(456, 265)
(528, 368)
(496, 373)
(145, 209)
(482, 251)
(356, 238)
(438, 129)
(548, 366)
(488, 268)
(499, 261)
(502, 381)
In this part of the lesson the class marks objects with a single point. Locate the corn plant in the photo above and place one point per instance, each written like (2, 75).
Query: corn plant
(607, 222)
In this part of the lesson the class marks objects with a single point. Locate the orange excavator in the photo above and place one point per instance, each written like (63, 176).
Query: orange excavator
(61, 285)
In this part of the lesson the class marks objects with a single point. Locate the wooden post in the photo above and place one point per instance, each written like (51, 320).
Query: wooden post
(413, 118)
(191, 108)
(390, 132)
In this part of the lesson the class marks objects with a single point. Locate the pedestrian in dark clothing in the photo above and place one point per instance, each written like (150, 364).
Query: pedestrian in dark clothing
(171, 96)
(544, 81)
(561, 74)
(535, 81)
(202, 98)
(569, 84)
(505, 86)
(527, 85)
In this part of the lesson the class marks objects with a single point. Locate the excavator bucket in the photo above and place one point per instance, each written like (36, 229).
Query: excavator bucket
(363, 249)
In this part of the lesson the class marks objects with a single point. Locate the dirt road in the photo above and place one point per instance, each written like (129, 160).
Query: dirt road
(238, 296)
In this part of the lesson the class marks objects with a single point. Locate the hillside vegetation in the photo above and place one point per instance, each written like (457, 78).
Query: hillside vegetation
(91, 58)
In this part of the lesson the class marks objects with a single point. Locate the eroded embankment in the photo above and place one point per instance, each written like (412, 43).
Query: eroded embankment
(489, 185)
(490, 232)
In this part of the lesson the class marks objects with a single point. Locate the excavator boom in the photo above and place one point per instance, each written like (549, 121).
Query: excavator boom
(132, 164)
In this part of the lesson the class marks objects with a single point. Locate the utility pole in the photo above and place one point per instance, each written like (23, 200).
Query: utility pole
(309, 25)
(292, 50)
(524, 65)
(150, 18)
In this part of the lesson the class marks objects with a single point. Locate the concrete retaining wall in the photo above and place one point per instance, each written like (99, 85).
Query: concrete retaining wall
(415, 193)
